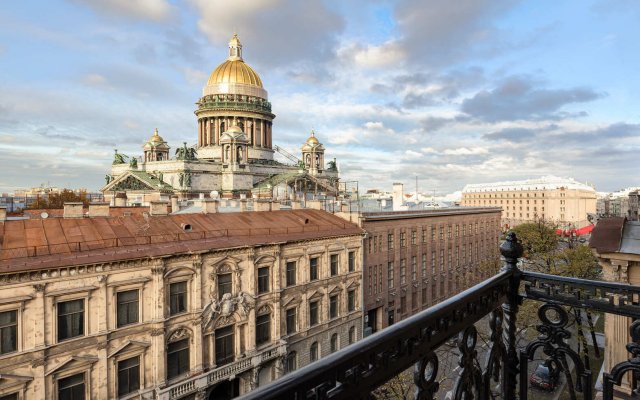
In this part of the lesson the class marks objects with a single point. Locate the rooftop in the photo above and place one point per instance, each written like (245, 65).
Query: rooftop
(544, 183)
(53, 242)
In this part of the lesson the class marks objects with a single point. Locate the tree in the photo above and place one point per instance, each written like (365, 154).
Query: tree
(546, 252)
(57, 200)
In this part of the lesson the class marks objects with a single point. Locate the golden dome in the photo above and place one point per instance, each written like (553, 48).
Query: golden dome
(234, 71)
(312, 139)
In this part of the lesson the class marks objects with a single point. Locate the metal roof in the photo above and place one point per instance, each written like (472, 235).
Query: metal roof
(54, 242)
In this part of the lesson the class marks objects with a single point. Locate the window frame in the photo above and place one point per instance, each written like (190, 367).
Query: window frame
(262, 285)
(287, 272)
(334, 306)
(351, 257)
(170, 295)
(16, 325)
(334, 264)
(117, 294)
(262, 327)
(188, 356)
(140, 377)
(84, 318)
(313, 268)
(291, 320)
(314, 316)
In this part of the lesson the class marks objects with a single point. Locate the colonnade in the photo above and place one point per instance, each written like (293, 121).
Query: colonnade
(258, 130)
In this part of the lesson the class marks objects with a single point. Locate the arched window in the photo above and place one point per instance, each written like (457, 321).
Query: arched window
(291, 362)
(313, 352)
(352, 334)
(334, 342)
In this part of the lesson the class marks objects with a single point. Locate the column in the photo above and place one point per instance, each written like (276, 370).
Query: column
(262, 133)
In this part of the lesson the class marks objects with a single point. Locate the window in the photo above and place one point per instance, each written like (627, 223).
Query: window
(224, 345)
(333, 307)
(263, 280)
(291, 362)
(403, 240)
(291, 321)
(403, 271)
(128, 375)
(433, 233)
(313, 313)
(263, 333)
(8, 331)
(71, 387)
(291, 273)
(414, 272)
(177, 358)
(334, 342)
(178, 296)
(441, 259)
(313, 269)
(70, 319)
(424, 265)
(313, 352)
(424, 296)
(12, 396)
(403, 304)
(442, 233)
(351, 300)
(457, 230)
(352, 261)
(414, 237)
(390, 241)
(334, 264)
(352, 334)
(224, 284)
(127, 307)
(390, 274)
(424, 235)
(433, 262)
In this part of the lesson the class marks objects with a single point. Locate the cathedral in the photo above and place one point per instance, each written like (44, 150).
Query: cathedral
(234, 154)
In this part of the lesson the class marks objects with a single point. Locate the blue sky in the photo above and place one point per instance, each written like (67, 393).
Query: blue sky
(453, 92)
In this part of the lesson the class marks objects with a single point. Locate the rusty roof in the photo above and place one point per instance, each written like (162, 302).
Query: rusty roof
(59, 212)
(53, 242)
(607, 235)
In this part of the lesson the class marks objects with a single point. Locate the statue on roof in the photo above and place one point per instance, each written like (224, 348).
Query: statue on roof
(133, 163)
(186, 153)
(331, 166)
(119, 158)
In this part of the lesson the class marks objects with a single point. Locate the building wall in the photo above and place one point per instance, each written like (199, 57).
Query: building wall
(41, 360)
(563, 206)
(449, 250)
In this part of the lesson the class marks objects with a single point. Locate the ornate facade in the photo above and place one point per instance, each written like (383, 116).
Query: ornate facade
(157, 306)
(234, 152)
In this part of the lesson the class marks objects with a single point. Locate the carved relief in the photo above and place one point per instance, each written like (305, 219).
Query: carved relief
(157, 331)
(226, 307)
(179, 334)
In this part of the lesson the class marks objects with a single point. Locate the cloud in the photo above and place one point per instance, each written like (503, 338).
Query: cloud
(274, 32)
(375, 56)
(512, 134)
(152, 10)
(444, 31)
(517, 98)
(466, 151)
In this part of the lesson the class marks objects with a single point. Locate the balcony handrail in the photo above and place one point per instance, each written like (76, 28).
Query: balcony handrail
(355, 371)
(410, 339)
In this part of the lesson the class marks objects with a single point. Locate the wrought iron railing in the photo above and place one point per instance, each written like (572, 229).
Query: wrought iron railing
(501, 369)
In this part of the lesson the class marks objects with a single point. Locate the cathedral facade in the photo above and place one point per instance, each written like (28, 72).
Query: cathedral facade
(234, 153)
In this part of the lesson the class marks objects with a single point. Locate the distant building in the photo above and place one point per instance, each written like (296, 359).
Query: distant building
(233, 153)
(560, 200)
(623, 203)
(415, 259)
(122, 304)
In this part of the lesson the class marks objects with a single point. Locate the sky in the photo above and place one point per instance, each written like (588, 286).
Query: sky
(450, 92)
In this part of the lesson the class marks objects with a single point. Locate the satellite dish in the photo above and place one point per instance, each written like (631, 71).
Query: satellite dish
(44, 215)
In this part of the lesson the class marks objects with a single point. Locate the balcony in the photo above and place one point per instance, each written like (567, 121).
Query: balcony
(203, 381)
(499, 369)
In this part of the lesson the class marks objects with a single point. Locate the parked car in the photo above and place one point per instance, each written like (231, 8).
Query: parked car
(546, 376)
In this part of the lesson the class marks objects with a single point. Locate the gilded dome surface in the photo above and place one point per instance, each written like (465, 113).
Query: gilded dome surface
(234, 71)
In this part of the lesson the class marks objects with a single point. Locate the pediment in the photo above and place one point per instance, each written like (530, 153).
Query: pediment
(316, 294)
(264, 259)
(127, 181)
(352, 284)
(334, 289)
(72, 362)
(12, 378)
(293, 300)
(129, 345)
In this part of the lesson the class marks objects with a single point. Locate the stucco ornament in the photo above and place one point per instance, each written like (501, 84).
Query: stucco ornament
(226, 306)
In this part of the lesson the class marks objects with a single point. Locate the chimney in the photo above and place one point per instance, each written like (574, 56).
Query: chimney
(275, 206)
(3, 213)
(314, 204)
(158, 207)
(261, 205)
(98, 210)
(209, 206)
(295, 205)
(174, 204)
(398, 196)
(73, 210)
(243, 205)
(121, 199)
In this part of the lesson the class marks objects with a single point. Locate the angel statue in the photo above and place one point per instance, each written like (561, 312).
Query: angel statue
(119, 158)
(245, 303)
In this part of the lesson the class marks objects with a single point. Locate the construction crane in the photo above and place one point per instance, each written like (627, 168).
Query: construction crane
(288, 155)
